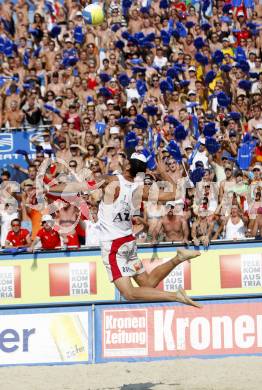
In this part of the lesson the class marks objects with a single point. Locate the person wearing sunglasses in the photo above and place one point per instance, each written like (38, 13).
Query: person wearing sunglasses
(47, 237)
(17, 237)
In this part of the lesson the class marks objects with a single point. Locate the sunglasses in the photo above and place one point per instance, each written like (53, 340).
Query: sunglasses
(91, 149)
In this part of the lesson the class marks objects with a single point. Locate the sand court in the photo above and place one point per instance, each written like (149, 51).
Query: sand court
(232, 373)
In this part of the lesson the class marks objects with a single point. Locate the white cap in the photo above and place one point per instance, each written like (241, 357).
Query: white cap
(202, 140)
(241, 92)
(110, 101)
(191, 92)
(257, 166)
(174, 202)
(259, 126)
(225, 39)
(114, 130)
(192, 68)
(47, 218)
(79, 13)
(68, 40)
(138, 156)
(240, 13)
(187, 144)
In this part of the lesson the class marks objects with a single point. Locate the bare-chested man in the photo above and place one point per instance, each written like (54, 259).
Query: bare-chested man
(226, 184)
(14, 117)
(174, 222)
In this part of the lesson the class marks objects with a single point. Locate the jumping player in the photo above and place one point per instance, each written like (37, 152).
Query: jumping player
(122, 195)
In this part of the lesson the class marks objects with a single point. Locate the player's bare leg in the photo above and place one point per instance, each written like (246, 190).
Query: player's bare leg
(131, 293)
(160, 272)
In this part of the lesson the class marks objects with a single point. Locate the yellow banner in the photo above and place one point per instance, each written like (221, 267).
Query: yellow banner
(228, 271)
(69, 277)
(54, 280)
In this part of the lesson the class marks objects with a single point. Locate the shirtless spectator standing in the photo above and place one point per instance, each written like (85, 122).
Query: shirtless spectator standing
(174, 223)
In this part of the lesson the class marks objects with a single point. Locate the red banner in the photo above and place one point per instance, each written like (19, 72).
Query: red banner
(72, 279)
(10, 282)
(241, 270)
(179, 277)
(176, 330)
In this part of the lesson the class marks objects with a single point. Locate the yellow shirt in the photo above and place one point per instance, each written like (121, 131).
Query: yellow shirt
(228, 51)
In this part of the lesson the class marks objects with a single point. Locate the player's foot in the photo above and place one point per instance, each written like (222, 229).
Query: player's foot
(184, 298)
(186, 254)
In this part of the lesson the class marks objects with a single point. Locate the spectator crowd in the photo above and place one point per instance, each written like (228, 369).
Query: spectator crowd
(179, 81)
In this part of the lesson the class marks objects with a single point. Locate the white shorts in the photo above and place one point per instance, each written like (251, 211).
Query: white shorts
(120, 258)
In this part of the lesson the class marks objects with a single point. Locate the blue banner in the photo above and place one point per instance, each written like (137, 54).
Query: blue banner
(11, 142)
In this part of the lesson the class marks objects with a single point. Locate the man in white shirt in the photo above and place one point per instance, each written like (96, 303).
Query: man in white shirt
(92, 228)
(159, 59)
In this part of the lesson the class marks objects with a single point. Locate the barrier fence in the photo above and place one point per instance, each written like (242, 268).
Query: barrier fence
(73, 277)
(61, 303)
(130, 332)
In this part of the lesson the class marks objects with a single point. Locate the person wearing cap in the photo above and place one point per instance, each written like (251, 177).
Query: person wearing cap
(8, 213)
(201, 155)
(227, 49)
(17, 237)
(202, 227)
(192, 77)
(175, 225)
(118, 245)
(256, 170)
(228, 183)
(47, 236)
(192, 103)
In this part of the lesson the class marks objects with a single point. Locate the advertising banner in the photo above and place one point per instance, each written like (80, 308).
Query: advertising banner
(11, 142)
(155, 331)
(228, 270)
(58, 278)
(80, 276)
(46, 336)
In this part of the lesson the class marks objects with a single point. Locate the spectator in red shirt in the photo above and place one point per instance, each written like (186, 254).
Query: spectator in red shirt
(48, 237)
(17, 237)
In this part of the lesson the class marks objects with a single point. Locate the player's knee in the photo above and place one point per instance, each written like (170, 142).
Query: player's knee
(128, 295)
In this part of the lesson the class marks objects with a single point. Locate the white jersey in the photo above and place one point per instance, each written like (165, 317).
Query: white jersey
(115, 219)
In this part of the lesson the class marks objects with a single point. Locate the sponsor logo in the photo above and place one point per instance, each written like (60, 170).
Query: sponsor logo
(241, 270)
(72, 279)
(39, 139)
(125, 333)
(6, 143)
(179, 277)
(219, 329)
(63, 336)
(10, 282)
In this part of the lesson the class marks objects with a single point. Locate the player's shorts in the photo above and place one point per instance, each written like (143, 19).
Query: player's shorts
(120, 258)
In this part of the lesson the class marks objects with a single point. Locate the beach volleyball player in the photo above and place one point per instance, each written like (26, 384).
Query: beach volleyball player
(122, 195)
